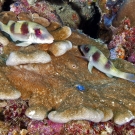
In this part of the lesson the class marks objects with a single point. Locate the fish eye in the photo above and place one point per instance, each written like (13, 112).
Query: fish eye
(86, 49)
(38, 32)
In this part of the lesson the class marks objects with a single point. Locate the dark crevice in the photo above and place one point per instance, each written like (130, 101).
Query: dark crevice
(6, 5)
(91, 26)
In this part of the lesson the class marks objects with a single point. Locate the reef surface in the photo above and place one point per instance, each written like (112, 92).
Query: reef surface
(50, 93)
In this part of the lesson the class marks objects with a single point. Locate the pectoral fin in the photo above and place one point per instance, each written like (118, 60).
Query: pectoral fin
(14, 38)
(90, 66)
(19, 37)
(24, 44)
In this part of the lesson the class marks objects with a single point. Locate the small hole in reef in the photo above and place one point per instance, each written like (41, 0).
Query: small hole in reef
(74, 66)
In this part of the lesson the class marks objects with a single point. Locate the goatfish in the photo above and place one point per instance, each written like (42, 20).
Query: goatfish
(27, 32)
(98, 60)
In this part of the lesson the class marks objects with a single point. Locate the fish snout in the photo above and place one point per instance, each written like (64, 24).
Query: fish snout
(81, 48)
(50, 39)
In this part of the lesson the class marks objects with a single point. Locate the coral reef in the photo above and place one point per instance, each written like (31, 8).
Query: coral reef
(122, 44)
(109, 11)
(65, 11)
(57, 12)
(60, 48)
(56, 81)
(61, 96)
(18, 123)
(43, 8)
(7, 91)
(25, 57)
(127, 10)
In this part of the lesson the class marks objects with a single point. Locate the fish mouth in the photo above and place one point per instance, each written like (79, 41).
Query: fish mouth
(47, 40)
(80, 47)
(50, 40)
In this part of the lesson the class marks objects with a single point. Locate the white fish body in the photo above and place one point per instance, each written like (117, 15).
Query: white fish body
(98, 60)
(27, 32)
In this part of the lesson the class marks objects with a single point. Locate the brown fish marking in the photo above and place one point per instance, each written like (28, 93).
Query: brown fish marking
(12, 28)
(96, 56)
(24, 28)
(108, 65)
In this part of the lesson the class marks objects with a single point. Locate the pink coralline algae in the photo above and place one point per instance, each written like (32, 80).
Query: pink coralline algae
(45, 127)
(17, 121)
(43, 8)
(14, 114)
(78, 127)
(123, 43)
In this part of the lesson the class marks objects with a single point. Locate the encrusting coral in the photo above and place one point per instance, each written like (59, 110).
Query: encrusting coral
(7, 91)
(127, 10)
(55, 87)
(50, 88)
(60, 48)
(24, 57)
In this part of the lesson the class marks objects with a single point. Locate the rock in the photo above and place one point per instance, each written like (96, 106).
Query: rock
(78, 113)
(121, 118)
(23, 57)
(4, 41)
(60, 48)
(108, 114)
(6, 16)
(61, 33)
(23, 16)
(4, 128)
(3, 103)
(127, 10)
(7, 92)
(36, 112)
(38, 19)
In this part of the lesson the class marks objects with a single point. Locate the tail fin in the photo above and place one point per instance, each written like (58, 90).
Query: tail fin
(3, 27)
(130, 77)
(127, 76)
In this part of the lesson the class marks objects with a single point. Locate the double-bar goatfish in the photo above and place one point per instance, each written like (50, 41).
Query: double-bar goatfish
(98, 60)
(27, 32)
